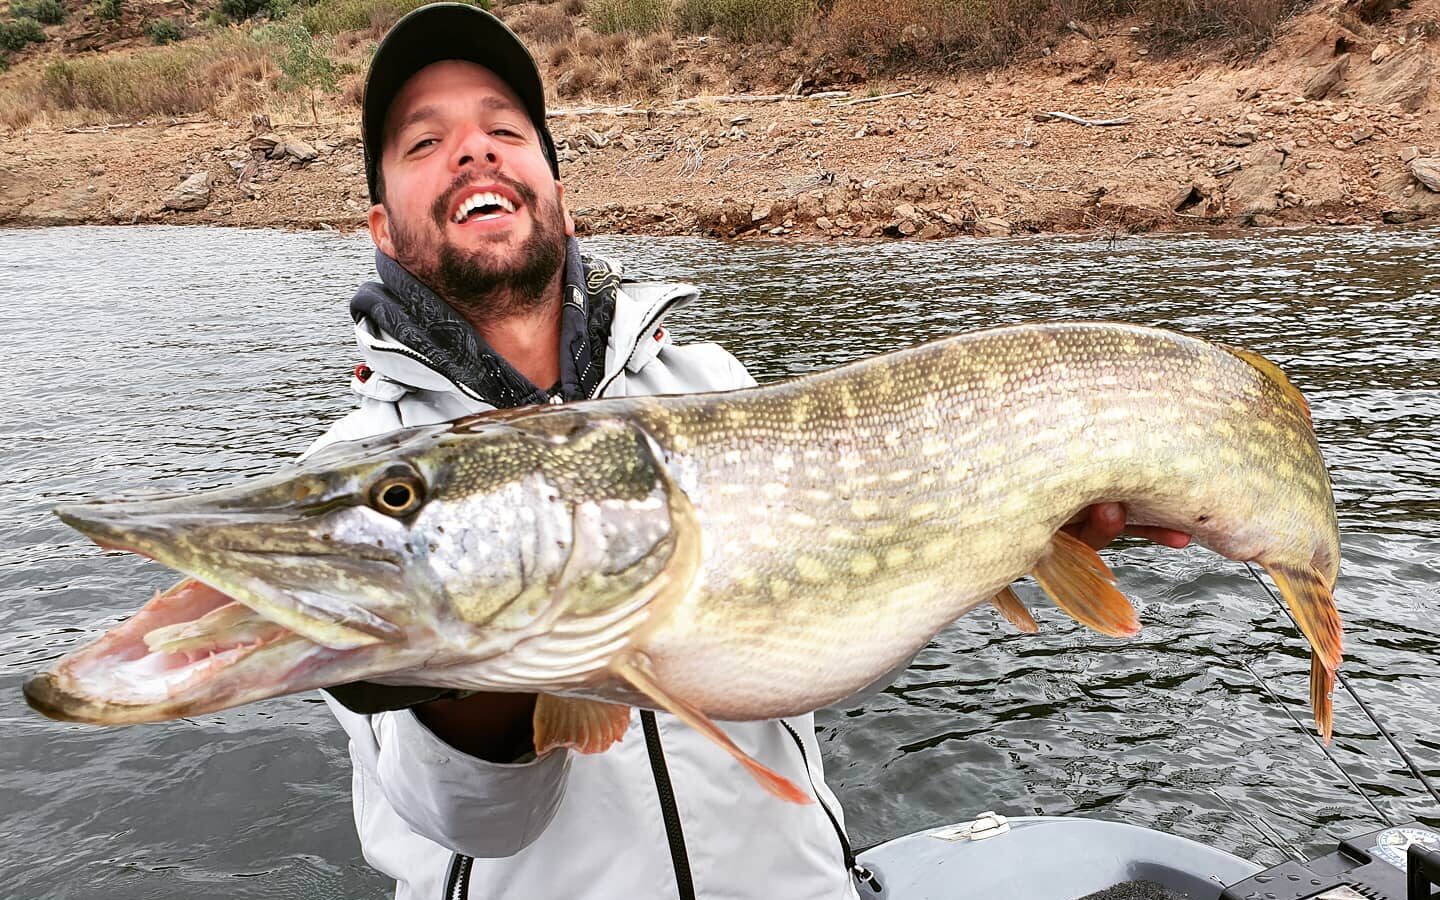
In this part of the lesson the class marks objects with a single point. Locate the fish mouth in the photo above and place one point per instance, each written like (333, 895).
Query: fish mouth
(219, 638)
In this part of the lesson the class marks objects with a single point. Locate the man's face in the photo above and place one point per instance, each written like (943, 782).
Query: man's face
(470, 204)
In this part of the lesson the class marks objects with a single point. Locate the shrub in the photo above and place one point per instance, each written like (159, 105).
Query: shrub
(109, 9)
(303, 61)
(639, 16)
(1240, 25)
(46, 12)
(15, 35)
(744, 20)
(164, 31)
(240, 10)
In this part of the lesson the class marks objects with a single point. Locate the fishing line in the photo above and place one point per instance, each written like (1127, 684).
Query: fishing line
(1250, 819)
(1345, 683)
(1323, 749)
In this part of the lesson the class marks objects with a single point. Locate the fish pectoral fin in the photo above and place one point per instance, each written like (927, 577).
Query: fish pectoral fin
(588, 726)
(1079, 582)
(1308, 595)
(1322, 682)
(1014, 611)
(636, 670)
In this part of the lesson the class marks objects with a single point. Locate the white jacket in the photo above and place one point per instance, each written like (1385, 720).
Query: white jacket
(568, 825)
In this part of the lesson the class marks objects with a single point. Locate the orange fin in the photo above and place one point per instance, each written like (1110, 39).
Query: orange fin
(1014, 611)
(1308, 595)
(588, 726)
(636, 670)
(1322, 682)
(1080, 583)
(1275, 374)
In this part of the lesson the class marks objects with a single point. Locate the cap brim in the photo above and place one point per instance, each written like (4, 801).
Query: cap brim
(442, 31)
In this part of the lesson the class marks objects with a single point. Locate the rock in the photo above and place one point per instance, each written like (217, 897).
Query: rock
(1361, 135)
(350, 169)
(930, 232)
(629, 142)
(1343, 144)
(298, 149)
(992, 226)
(1380, 53)
(761, 212)
(1409, 153)
(97, 171)
(1256, 187)
(1341, 117)
(267, 143)
(1401, 216)
(904, 211)
(1427, 171)
(823, 224)
(1403, 78)
(1325, 80)
(1242, 137)
(906, 227)
(192, 194)
(259, 123)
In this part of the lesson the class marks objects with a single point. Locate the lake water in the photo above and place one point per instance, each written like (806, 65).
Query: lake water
(166, 357)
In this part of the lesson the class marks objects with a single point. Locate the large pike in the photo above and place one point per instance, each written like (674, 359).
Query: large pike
(732, 556)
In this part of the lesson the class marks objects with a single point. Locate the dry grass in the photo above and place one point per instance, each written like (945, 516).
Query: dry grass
(371, 16)
(175, 80)
(634, 16)
(745, 21)
(1240, 26)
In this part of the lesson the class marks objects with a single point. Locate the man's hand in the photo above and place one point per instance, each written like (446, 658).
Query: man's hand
(1100, 524)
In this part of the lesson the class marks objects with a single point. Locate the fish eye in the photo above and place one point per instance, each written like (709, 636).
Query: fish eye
(397, 493)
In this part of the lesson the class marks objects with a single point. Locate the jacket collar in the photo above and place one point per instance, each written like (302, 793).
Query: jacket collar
(635, 338)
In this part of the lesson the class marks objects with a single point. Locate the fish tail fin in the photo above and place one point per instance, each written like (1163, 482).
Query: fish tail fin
(636, 670)
(588, 726)
(1077, 579)
(1275, 374)
(1014, 611)
(1308, 595)
(1322, 683)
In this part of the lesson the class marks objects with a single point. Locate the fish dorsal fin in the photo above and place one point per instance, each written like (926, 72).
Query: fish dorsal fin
(1275, 374)
(1014, 611)
(1322, 682)
(588, 726)
(637, 671)
(1077, 579)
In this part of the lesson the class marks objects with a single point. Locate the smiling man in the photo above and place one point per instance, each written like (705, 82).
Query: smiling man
(486, 301)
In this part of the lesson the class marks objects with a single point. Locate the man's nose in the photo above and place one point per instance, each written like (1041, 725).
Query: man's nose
(477, 147)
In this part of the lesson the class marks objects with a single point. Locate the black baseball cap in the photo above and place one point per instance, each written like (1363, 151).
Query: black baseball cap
(447, 31)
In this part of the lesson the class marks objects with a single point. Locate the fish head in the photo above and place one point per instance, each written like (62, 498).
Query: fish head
(395, 559)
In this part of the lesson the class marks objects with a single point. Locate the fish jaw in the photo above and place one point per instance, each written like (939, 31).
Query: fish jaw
(119, 680)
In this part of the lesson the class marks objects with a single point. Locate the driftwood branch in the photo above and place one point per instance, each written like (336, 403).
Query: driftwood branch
(761, 98)
(143, 123)
(1089, 123)
(859, 100)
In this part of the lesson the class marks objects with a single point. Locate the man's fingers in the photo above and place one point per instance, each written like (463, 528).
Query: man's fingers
(1164, 536)
(1099, 524)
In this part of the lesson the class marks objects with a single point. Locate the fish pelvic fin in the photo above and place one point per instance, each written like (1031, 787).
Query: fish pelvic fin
(1014, 611)
(1322, 683)
(1277, 375)
(1079, 582)
(636, 670)
(1309, 597)
(588, 726)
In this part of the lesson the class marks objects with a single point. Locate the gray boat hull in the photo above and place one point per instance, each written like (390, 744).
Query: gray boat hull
(1049, 858)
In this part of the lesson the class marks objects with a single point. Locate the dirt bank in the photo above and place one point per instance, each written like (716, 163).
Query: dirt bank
(1337, 123)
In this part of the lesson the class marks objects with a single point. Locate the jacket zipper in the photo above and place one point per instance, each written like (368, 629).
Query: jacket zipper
(457, 880)
(857, 869)
(684, 881)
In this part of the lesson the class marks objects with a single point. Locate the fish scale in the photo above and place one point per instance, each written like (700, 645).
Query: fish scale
(737, 555)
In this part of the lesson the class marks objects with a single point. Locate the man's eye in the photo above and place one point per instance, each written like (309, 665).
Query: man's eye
(422, 144)
(505, 132)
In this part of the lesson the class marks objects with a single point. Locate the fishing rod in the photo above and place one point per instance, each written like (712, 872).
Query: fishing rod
(1323, 749)
(1345, 683)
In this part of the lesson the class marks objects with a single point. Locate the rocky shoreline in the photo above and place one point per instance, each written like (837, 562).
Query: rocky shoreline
(1330, 127)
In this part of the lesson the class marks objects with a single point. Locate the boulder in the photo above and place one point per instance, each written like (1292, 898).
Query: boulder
(192, 194)
(1255, 188)
(1325, 80)
(1426, 170)
(298, 149)
(992, 226)
(1403, 78)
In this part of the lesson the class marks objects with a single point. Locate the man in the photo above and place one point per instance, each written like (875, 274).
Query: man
(486, 301)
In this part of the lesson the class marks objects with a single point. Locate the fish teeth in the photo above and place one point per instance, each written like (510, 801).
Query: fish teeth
(484, 198)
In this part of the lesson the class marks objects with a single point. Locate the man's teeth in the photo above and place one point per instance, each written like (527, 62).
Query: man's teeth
(477, 201)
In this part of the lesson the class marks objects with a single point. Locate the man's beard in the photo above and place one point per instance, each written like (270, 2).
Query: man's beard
(473, 282)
